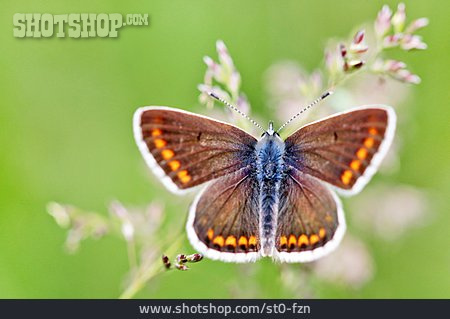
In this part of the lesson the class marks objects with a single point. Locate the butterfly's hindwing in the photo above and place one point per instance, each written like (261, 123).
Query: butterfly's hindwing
(310, 219)
(186, 150)
(343, 150)
(224, 218)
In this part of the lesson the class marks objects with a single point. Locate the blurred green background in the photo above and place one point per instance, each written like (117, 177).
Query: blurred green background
(65, 134)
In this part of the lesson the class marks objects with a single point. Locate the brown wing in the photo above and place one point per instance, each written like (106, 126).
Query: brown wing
(185, 149)
(343, 150)
(310, 219)
(224, 219)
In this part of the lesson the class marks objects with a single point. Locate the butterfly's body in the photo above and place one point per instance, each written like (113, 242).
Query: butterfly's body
(266, 197)
(269, 172)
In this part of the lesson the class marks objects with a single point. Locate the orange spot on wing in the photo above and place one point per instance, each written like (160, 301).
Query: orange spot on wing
(346, 177)
(283, 242)
(373, 131)
(231, 241)
(156, 132)
(174, 165)
(184, 176)
(303, 240)
(292, 242)
(355, 165)
(160, 143)
(252, 242)
(210, 234)
(242, 242)
(313, 239)
(167, 154)
(322, 232)
(361, 153)
(219, 241)
(368, 142)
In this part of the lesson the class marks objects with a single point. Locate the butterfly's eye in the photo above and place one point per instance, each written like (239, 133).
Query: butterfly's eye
(276, 133)
(263, 134)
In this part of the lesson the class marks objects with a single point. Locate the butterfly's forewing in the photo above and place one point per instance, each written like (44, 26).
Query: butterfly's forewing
(343, 150)
(310, 219)
(186, 149)
(224, 218)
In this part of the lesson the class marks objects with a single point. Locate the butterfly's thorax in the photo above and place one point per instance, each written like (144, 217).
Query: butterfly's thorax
(270, 151)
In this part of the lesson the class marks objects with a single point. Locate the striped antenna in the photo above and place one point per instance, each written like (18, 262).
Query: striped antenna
(322, 97)
(237, 110)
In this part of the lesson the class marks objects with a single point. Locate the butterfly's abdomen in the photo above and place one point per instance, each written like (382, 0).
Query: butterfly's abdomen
(270, 152)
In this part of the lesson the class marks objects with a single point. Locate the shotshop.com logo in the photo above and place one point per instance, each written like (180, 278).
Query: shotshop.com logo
(74, 25)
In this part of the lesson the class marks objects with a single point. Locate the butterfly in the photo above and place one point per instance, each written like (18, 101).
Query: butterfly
(268, 196)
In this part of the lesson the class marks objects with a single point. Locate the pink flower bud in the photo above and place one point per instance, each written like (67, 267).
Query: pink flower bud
(334, 60)
(343, 50)
(166, 261)
(210, 62)
(394, 65)
(359, 36)
(383, 21)
(119, 210)
(224, 56)
(234, 82)
(204, 88)
(398, 19)
(214, 70)
(194, 258)
(221, 48)
(182, 267)
(407, 76)
(416, 25)
(355, 64)
(410, 42)
(329, 59)
(127, 227)
(181, 258)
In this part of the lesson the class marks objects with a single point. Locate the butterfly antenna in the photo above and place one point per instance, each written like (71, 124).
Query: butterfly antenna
(322, 97)
(234, 108)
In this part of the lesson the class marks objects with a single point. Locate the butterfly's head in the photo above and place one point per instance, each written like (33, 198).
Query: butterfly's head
(270, 131)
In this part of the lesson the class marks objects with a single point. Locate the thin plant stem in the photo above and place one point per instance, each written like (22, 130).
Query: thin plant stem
(131, 249)
(146, 273)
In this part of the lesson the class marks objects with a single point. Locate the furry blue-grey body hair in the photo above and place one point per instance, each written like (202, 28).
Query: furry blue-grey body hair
(270, 168)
